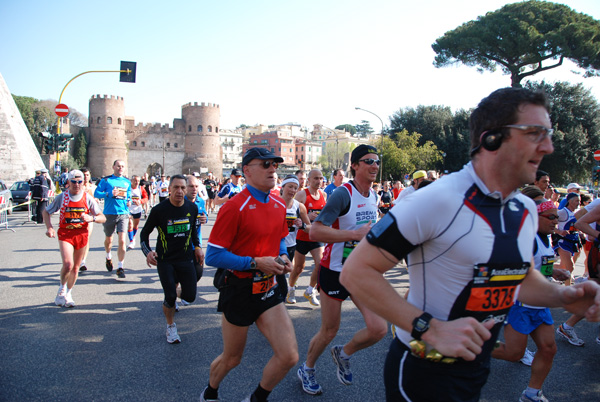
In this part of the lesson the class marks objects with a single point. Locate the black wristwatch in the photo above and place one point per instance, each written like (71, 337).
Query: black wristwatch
(252, 263)
(420, 325)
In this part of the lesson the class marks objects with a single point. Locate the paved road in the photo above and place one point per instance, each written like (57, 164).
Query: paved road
(112, 346)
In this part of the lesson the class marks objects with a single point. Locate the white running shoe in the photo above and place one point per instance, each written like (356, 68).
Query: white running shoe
(291, 296)
(69, 300)
(184, 303)
(569, 335)
(131, 245)
(527, 358)
(60, 298)
(172, 336)
(312, 298)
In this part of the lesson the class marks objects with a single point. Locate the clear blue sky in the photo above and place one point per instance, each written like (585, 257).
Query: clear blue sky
(269, 62)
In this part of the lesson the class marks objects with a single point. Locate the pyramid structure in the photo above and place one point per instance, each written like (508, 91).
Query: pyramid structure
(19, 158)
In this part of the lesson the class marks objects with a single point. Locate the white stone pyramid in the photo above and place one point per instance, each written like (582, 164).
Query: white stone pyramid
(19, 158)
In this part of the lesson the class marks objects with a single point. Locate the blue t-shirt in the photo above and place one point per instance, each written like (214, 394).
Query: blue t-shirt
(114, 205)
(329, 189)
(229, 190)
(200, 204)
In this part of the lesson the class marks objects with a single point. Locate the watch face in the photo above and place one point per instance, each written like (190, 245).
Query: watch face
(421, 325)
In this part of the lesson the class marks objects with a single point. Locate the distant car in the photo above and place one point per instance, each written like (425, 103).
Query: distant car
(7, 196)
(20, 192)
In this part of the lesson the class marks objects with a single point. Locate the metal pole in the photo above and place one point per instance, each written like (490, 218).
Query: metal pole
(381, 149)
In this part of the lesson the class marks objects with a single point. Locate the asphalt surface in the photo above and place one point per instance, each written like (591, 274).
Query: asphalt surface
(112, 345)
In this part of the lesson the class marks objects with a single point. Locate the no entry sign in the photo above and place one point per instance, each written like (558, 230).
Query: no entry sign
(61, 110)
(597, 155)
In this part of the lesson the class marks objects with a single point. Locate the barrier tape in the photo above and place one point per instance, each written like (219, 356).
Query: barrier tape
(17, 206)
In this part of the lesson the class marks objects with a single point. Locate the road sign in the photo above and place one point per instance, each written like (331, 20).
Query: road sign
(61, 110)
(406, 177)
(597, 155)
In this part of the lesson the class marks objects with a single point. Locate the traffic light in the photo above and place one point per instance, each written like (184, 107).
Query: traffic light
(47, 142)
(127, 71)
(62, 142)
(596, 175)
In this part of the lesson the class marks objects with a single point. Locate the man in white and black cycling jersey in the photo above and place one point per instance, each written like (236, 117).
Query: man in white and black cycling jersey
(467, 253)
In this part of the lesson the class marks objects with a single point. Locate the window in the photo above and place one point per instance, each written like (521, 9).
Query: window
(190, 128)
(272, 149)
(199, 128)
(210, 129)
(143, 144)
(216, 129)
(98, 120)
(175, 145)
(135, 143)
(168, 145)
(276, 140)
(109, 120)
(119, 121)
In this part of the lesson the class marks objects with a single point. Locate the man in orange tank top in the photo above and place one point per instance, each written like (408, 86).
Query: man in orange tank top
(77, 210)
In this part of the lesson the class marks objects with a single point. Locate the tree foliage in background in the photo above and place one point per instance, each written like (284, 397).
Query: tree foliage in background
(334, 156)
(364, 128)
(347, 127)
(523, 39)
(39, 116)
(437, 124)
(402, 154)
(575, 116)
(80, 148)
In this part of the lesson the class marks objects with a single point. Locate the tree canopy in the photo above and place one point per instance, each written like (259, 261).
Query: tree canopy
(523, 39)
(347, 127)
(364, 128)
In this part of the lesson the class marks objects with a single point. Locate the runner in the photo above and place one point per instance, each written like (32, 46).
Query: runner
(116, 191)
(314, 200)
(464, 264)
(139, 198)
(230, 189)
(344, 221)
(162, 188)
(89, 188)
(177, 248)
(245, 242)
(295, 213)
(211, 190)
(77, 210)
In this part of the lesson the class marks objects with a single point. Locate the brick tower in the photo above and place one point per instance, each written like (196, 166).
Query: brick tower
(202, 143)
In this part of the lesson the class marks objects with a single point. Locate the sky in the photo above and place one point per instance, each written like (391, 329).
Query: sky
(263, 61)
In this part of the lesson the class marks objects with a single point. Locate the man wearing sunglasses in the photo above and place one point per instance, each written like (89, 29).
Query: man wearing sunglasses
(465, 265)
(343, 222)
(248, 241)
(77, 210)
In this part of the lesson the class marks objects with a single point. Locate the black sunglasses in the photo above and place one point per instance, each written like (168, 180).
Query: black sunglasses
(370, 161)
(266, 164)
(550, 217)
(76, 181)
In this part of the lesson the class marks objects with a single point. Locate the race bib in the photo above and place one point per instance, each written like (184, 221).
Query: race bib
(121, 193)
(494, 287)
(547, 265)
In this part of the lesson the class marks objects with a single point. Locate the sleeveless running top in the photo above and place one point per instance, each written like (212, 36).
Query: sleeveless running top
(361, 211)
(312, 205)
(71, 211)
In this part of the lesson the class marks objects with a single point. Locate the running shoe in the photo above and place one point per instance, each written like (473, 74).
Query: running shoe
(60, 298)
(185, 303)
(82, 268)
(291, 296)
(69, 300)
(309, 383)
(312, 298)
(569, 335)
(172, 336)
(539, 397)
(176, 307)
(527, 358)
(120, 272)
(203, 399)
(343, 366)
(131, 245)
(109, 266)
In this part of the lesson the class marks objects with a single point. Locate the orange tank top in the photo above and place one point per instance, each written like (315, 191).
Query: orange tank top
(71, 211)
(312, 205)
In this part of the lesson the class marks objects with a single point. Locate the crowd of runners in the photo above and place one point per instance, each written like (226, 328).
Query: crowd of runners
(488, 250)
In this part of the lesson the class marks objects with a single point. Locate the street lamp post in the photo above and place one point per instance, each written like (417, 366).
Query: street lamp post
(381, 149)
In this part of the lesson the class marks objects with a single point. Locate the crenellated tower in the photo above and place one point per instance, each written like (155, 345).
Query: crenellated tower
(107, 141)
(202, 143)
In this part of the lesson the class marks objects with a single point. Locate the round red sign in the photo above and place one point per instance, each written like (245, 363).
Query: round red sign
(597, 155)
(61, 110)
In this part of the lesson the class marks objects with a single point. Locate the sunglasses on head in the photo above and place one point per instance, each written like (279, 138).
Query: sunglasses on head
(76, 181)
(266, 164)
(370, 161)
(550, 217)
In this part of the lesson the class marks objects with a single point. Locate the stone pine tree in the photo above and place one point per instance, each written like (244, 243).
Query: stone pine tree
(80, 149)
(523, 39)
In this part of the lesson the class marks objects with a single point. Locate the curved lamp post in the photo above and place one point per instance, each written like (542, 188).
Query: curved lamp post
(381, 149)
